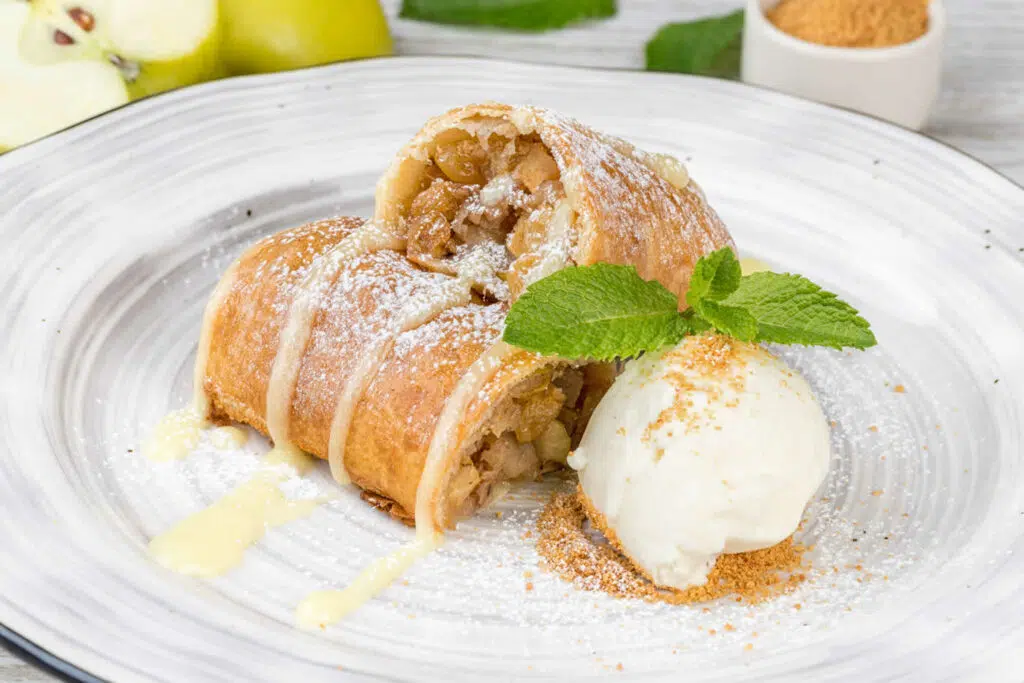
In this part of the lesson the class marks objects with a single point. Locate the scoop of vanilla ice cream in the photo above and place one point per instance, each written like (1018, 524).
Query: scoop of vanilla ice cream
(714, 446)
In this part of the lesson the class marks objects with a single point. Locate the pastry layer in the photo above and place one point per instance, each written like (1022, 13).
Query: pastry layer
(548, 192)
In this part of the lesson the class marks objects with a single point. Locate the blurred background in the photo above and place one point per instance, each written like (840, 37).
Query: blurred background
(65, 60)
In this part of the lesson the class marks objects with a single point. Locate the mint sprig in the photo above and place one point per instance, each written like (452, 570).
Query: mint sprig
(601, 311)
(521, 15)
(714, 278)
(606, 311)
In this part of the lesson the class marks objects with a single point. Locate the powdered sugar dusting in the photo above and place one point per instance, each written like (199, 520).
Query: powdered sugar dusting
(857, 560)
(480, 265)
(472, 324)
(270, 275)
(367, 304)
(305, 303)
(628, 206)
(622, 194)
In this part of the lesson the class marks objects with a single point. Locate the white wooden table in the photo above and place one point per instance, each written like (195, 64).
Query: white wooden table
(981, 109)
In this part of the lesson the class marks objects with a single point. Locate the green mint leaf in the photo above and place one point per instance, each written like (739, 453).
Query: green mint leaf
(522, 15)
(733, 321)
(602, 312)
(694, 323)
(790, 309)
(715, 276)
(706, 47)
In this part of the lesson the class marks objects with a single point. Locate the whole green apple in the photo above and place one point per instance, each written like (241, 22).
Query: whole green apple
(261, 36)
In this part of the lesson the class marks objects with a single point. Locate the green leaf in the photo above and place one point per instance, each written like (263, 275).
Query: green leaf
(601, 312)
(715, 276)
(706, 47)
(694, 323)
(733, 321)
(790, 309)
(522, 15)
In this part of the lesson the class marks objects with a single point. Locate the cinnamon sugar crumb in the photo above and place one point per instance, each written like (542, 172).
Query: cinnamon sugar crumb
(566, 549)
(748, 647)
(876, 493)
(529, 585)
(707, 355)
(618, 667)
(873, 428)
(899, 389)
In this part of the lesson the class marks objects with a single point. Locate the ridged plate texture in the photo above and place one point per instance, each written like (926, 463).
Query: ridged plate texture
(114, 233)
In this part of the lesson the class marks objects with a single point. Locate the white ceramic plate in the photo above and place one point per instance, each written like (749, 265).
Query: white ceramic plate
(113, 234)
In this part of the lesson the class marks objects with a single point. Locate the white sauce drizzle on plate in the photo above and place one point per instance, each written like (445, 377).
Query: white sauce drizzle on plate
(214, 540)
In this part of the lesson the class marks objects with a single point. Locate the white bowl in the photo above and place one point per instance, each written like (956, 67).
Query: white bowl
(897, 83)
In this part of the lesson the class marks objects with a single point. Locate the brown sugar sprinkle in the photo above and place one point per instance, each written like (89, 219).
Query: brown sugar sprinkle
(852, 23)
(707, 355)
(566, 549)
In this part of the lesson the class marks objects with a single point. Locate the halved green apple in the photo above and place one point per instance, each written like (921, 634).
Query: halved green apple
(38, 100)
(155, 45)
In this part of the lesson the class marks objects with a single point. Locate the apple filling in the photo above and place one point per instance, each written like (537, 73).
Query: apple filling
(493, 200)
(530, 432)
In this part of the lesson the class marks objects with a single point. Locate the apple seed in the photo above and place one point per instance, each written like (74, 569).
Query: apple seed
(62, 38)
(84, 19)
